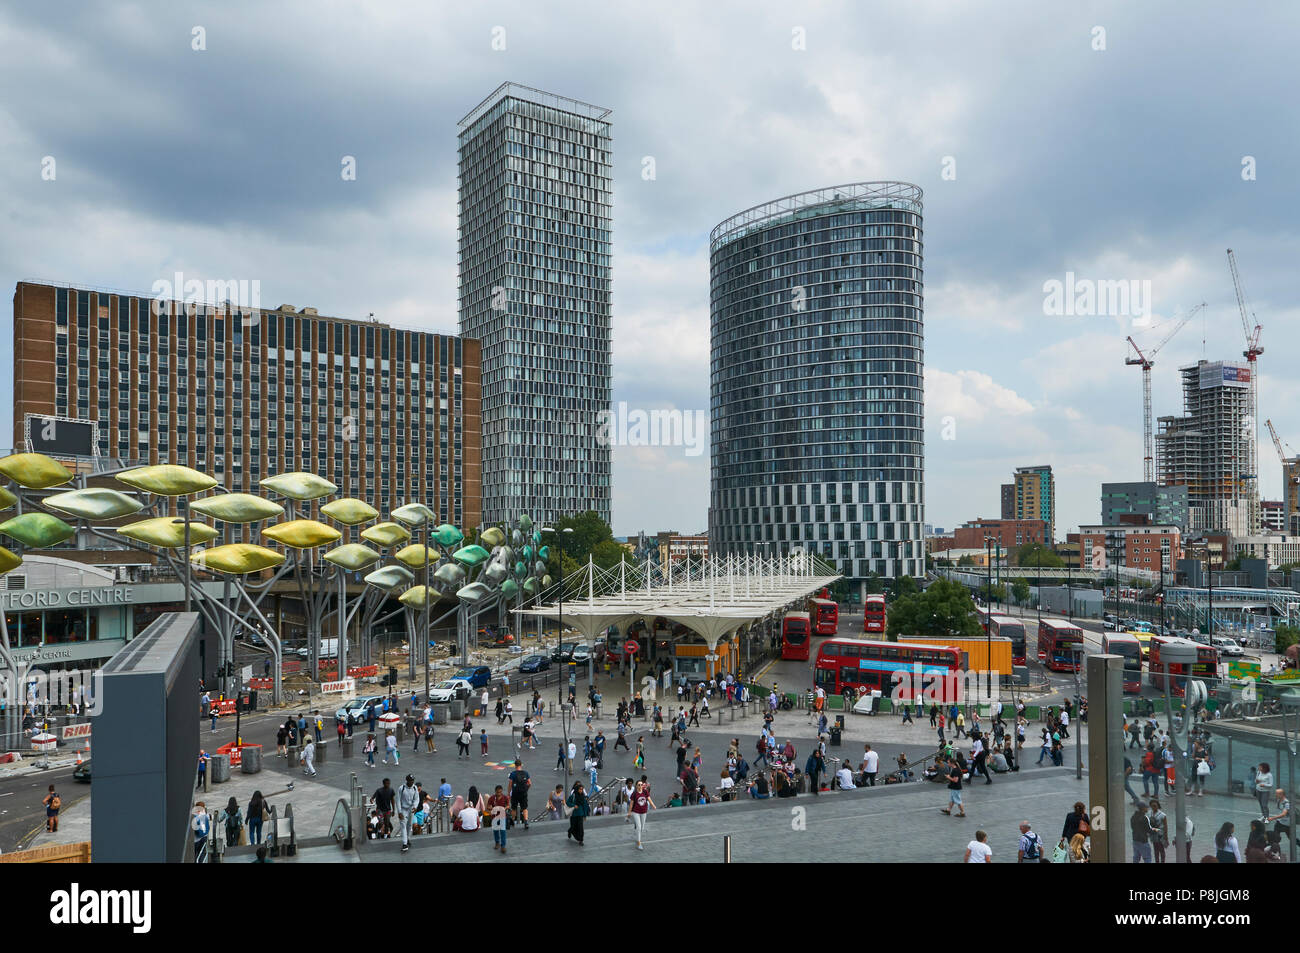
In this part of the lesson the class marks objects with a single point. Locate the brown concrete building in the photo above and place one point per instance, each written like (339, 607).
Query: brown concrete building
(389, 415)
(972, 535)
(1141, 547)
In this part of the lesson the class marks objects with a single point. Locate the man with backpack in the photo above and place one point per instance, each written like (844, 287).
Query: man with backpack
(1031, 847)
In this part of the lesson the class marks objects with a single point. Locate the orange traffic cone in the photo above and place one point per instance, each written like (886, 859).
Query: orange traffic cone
(78, 756)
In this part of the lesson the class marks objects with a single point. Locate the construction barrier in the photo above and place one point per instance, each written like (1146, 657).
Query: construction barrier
(363, 671)
(234, 752)
(78, 853)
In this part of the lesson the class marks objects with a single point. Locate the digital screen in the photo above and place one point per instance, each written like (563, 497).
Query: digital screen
(58, 437)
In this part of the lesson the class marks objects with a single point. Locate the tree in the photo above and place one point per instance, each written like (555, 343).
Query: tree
(1036, 555)
(1020, 592)
(967, 560)
(945, 608)
(875, 584)
(1286, 636)
(905, 586)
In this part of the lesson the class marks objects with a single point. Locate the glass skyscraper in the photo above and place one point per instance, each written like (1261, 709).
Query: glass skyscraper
(816, 379)
(536, 194)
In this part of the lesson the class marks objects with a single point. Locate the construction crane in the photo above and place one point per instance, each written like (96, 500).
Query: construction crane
(1290, 474)
(1146, 362)
(1251, 354)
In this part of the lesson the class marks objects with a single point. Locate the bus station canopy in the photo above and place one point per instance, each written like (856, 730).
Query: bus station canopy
(713, 597)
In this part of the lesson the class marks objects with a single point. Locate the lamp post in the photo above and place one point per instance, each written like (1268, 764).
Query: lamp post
(1078, 721)
(559, 543)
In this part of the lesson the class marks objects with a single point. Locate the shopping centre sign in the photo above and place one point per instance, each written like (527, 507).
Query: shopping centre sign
(69, 598)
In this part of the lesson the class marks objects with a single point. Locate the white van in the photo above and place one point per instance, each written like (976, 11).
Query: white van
(329, 648)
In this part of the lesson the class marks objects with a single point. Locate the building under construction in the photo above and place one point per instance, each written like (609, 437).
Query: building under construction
(1209, 449)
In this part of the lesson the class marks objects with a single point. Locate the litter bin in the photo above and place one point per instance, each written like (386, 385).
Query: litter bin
(219, 768)
(837, 733)
(250, 759)
(839, 722)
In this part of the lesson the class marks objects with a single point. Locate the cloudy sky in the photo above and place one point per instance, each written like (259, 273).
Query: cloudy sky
(1115, 163)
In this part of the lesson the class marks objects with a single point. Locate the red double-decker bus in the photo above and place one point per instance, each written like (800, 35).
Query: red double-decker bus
(1205, 666)
(873, 615)
(1126, 645)
(1009, 628)
(825, 615)
(870, 666)
(796, 636)
(1060, 645)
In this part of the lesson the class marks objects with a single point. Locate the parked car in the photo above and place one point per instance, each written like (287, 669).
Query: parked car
(581, 654)
(535, 663)
(514, 650)
(451, 689)
(1227, 646)
(563, 652)
(82, 772)
(359, 705)
(1108, 625)
(478, 675)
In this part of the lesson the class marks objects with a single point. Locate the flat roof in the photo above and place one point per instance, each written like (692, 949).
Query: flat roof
(541, 97)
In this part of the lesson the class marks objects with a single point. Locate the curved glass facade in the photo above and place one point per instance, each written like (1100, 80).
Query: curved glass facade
(816, 368)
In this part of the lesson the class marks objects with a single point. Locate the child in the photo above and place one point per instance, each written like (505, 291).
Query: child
(483, 743)
(640, 752)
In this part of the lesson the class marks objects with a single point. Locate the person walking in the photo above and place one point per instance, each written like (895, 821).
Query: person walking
(1159, 831)
(462, 743)
(1140, 826)
(256, 816)
(368, 749)
(577, 801)
(408, 801)
(641, 807)
(309, 759)
(281, 741)
(519, 781)
(483, 743)
(429, 745)
(954, 792)
(201, 825)
(639, 761)
(390, 748)
(1031, 846)
(1046, 750)
(340, 729)
(417, 729)
(233, 820)
(203, 769)
(319, 726)
(978, 851)
(499, 810)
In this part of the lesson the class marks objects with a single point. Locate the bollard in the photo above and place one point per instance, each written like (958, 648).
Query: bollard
(219, 768)
(726, 848)
(400, 732)
(292, 753)
(347, 749)
(321, 750)
(250, 759)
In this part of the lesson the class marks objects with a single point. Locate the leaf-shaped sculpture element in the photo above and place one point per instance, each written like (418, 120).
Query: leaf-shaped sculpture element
(413, 514)
(94, 503)
(349, 511)
(352, 556)
(238, 559)
(389, 577)
(302, 534)
(415, 597)
(470, 555)
(447, 535)
(7, 499)
(299, 485)
(509, 588)
(386, 534)
(166, 533)
(415, 555)
(168, 479)
(237, 507)
(37, 530)
(492, 536)
(449, 574)
(474, 592)
(9, 561)
(34, 470)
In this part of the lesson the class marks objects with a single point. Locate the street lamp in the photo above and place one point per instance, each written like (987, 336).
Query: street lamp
(559, 544)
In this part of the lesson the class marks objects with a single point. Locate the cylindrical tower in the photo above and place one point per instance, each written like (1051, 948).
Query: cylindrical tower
(816, 384)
